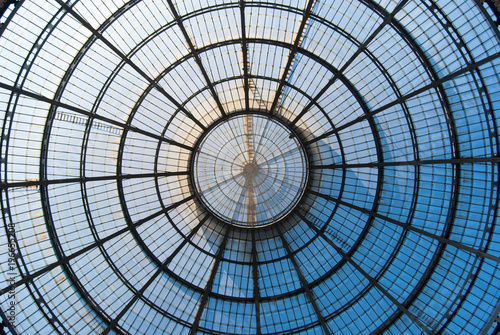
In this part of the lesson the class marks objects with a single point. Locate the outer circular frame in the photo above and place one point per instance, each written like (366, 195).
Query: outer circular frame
(395, 101)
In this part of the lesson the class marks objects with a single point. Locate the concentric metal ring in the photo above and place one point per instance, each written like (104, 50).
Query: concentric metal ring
(250, 170)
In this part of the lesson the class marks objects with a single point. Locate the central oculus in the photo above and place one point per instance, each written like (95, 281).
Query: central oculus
(249, 170)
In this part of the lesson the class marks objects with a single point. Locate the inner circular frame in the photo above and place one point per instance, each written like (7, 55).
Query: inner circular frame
(249, 169)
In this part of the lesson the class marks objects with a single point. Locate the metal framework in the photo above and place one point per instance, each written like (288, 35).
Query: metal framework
(106, 220)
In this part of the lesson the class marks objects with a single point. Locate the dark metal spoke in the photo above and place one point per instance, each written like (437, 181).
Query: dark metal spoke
(244, 46)
(293, 54)
(210, 282)
(372, 280)
(303, 282)
(256, 288)
(81, 111)
(402, 99)
(196, 56)
(496, 319)
(409, 227)
(162, 268)
(464, 160)
(36, 183)
(360, 49)
(127, 60)
(66, 259)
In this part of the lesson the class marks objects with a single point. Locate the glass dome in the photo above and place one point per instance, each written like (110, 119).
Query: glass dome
(250, 167)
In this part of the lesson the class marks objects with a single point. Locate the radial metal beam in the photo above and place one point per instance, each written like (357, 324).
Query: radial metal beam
(303, 282)
(65, 260)
(406, 226)
(127, 60)
(388, 18)
(163, 266)
(244, 46)
(255, 279)
(5, 4)
(36, 183)
(210, 282)
(78, 110)
(196, 56)
(465, 160)
(372, 280)
(495, 317)
(399, 100)
(292, 55)
(6, 324)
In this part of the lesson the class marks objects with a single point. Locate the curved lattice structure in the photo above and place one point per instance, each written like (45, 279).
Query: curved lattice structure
(248, 167)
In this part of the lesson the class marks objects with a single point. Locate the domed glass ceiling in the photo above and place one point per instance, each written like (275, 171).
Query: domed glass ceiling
(250, 167)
